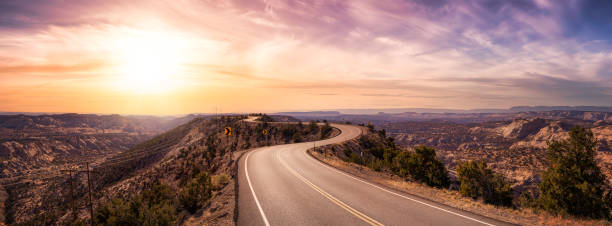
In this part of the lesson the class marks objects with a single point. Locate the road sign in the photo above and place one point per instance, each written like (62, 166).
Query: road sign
(228, 131)
(264, 132)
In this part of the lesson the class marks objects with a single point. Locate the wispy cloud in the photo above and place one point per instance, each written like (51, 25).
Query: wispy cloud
(449, 54)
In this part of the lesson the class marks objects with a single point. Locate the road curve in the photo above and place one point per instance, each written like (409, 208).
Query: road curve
(283, 185)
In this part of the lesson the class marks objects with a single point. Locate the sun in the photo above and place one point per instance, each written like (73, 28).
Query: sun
(149, 62)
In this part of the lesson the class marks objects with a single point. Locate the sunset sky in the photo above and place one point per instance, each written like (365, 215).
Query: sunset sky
(184, 56)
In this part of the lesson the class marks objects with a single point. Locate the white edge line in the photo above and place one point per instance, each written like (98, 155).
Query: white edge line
(246, 171)
(400, 195)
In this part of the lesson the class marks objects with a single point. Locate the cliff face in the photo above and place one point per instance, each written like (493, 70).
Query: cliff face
(522, 128)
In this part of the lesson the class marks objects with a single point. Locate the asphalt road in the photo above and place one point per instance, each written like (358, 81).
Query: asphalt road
(283, 185)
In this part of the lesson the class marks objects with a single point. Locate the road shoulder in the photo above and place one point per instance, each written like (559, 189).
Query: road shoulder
(442, 197)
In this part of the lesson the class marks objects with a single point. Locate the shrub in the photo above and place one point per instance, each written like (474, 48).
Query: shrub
(289, 131)
(196, 193)
(375, 164)
(422, 165)
(297, 137)
(573, 183)
(347, 153)
(313, 127)
(400, 161)
(155, 206)
(326, 131)
(219, 181)
(477, 180)
(354, 157)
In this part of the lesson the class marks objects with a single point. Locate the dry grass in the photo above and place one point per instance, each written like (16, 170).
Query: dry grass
(453, 198)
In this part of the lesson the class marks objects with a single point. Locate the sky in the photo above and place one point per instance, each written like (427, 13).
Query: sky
(186, 56)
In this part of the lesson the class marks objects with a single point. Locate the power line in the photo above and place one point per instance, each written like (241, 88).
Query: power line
(24, 182)
(139, 152)
(116, 163)
(157, 149)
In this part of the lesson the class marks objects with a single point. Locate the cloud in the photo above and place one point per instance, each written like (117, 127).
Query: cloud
(463, 53)
(50, 68)
(546, 89)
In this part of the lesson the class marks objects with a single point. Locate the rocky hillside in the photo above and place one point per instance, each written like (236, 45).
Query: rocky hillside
(29, 143)
(515, 148)
(32, 147)
(173, 163)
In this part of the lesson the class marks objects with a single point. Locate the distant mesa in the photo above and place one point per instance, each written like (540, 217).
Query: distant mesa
(561, 108)
(516, 109)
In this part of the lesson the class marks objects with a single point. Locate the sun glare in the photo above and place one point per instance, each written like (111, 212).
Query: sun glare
(149, 62)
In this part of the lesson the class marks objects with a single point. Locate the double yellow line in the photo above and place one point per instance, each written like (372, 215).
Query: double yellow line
(346, 207)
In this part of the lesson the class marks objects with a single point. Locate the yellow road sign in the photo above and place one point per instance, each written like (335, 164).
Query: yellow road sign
(264, 132)
(228, 131)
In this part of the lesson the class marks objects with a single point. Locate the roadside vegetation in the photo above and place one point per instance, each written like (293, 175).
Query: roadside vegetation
(573, 186)
(422, 165)
(380, 153)
(477, 180)
(157, 205)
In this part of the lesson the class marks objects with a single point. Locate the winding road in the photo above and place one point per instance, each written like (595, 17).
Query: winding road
(283, 185)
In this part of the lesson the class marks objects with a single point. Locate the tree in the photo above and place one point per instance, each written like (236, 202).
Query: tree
(312, 127)
(573, 183)
(478, 180)
(422, 165)
(326, 130)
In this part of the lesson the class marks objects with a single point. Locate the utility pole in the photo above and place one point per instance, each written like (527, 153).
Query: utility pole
(70, 171)
(89, 191)
(74, 213)
(361, 159)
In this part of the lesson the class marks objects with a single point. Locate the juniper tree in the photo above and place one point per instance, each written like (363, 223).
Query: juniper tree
(573, 183)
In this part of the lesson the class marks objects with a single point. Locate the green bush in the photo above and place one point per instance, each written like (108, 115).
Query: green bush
(313, 127)
(478, 180)
(197, 192)
(354, 157)
(573, 183)
(289, 131)
(326, 130)
(400, 161)
(297, 137)
(422, 165)
(155, 206)
(219, 181)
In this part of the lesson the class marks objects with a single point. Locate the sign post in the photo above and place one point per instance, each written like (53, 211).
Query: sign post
(265, 133)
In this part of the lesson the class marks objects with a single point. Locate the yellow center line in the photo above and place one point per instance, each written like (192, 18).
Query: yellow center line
(346, 207)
